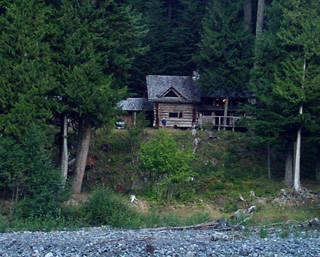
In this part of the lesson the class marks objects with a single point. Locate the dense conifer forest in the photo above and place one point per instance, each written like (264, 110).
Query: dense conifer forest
(65, 64)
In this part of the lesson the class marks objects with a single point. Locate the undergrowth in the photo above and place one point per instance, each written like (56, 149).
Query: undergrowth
(104, 207)
(226, 164)
(221, 168)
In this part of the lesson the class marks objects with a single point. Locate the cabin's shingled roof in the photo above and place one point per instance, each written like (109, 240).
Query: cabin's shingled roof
(135, 104)
(158, 84)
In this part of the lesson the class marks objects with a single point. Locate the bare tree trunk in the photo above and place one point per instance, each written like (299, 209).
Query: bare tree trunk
(225, 113)
(296, 183)
(81, 158)
(294, 159)
(269, 160)
(247, 10)
(134, 119)
(64, 152)
(259, 27)
(288, 177)
(260, 17)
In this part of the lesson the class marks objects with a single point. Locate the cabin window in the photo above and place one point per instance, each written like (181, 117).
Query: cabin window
(173, 115)
(180, 115)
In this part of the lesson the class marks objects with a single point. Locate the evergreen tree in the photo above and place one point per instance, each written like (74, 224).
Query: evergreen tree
(25, 66)
(285, 75)
(187, 35)
(299, 30)
(224, 50)
(173, 34)
(95, 46)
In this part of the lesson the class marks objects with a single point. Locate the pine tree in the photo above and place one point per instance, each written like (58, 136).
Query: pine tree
(25, 66)
(224, 57)
(299, 29)
(95, 46)
(284, 78)
(187, 35)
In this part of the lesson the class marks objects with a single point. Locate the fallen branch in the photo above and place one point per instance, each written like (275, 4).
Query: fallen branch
(210, 225)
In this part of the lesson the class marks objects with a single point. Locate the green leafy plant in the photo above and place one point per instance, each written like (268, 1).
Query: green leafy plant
(29, 175)
(166, 165)
(106, 208)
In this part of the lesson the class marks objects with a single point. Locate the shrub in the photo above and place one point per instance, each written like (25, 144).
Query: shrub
(27, 171)
(166, 165)
(106, 208)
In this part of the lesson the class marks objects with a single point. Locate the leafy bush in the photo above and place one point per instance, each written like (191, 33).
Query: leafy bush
(166, 165)
(106, 208)
(27, 172)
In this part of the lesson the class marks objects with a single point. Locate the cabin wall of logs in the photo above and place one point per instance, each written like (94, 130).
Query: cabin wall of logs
(175, 114)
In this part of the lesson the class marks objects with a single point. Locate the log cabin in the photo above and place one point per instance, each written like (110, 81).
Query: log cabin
(180, 101)
(175, 99)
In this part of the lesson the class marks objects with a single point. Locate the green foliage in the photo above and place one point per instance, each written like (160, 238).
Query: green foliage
(279, 80)
(166, 165)
(224, 56)
(26, 74)
(173, 33)
(92, 70)
(161, 156)
(230, 167)
(27, 172)
(136, 133)
(106, 208)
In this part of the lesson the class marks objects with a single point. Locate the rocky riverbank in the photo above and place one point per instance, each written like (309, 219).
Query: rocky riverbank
(104, 241)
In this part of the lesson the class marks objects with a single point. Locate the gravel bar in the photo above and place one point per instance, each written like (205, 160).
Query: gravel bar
(103, 241)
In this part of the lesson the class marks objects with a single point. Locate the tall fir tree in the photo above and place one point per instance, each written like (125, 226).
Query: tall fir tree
(299, 29)
(224, 57)
(187, 35)
(25, 66)
(173, 34)
(96, 44)
(284, 78)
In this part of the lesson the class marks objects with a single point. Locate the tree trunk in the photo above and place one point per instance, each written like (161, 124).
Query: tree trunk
(288, 177)
(134, 119)
(269, 160)
(81, 158)
(64, 152)
(259, 27)
(260, 17)
(225, 113)
(296, 183)
(247, 13)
